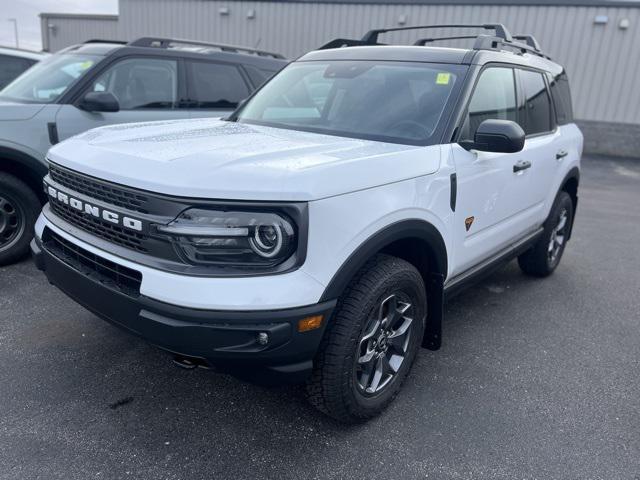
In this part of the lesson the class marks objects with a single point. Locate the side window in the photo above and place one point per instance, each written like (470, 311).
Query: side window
(494, 97)
(216, 85)
(11, 67)
(141, 83)
(537, 115)
(561, 95)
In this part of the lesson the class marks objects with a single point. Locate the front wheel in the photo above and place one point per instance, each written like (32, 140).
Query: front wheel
(19, 208)
(543, 258)
(373, 339)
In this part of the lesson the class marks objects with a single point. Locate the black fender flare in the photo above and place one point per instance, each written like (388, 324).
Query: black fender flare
(573, 174)
(405, 229)
(25, 166)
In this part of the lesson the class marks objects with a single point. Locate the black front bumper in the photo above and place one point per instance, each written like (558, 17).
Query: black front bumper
(224, 339)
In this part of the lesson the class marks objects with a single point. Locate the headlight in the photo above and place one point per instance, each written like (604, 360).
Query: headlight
(232, 238)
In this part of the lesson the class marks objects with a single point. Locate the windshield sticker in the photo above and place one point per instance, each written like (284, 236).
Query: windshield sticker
(443, 78)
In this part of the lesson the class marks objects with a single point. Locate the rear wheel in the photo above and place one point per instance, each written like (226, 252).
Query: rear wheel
(543, 258)
(372, 341)
(19, 208)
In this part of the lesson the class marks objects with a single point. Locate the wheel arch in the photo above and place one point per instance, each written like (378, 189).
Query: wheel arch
(421, 244)
(25, 167)
(416, 241)
(570, 185)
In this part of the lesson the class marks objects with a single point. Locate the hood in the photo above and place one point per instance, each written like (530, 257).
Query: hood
(211, 158)
(10, 111)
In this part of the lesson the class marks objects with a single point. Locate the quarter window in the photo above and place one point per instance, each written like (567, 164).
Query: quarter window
(216, 85)
(561, 95)
(537, 114)
(141, 83)
(493, 98)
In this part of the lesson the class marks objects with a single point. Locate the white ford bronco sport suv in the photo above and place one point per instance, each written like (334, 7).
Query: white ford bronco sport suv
(314, 234)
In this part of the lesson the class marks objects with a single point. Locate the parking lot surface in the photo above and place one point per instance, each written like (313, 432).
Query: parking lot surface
(536, 379)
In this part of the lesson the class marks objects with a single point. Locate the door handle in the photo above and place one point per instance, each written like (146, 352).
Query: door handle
(521, 165)
(561, 154)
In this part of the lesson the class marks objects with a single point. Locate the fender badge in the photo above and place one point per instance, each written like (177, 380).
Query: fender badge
(468, 222)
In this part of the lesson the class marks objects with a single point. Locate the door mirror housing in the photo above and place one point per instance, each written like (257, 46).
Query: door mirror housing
(99, 102)
(500, 136)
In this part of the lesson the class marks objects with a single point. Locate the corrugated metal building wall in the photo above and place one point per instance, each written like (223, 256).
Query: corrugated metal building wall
(602, 59)
(62, 30)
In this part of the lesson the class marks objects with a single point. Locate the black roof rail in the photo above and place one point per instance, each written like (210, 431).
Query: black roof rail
(98, 40)
(424, 41)
(371, 37)
(500, 40)
(529, 40)
(156, 42)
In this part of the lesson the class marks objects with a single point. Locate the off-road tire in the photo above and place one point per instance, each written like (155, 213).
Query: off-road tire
(21, 208)
(537, 261)
(333, 387)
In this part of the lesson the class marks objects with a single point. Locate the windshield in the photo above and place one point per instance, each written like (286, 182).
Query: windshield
(400, 102)
(47, 80)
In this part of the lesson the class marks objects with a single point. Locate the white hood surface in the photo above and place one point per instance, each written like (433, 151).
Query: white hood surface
(211, 158)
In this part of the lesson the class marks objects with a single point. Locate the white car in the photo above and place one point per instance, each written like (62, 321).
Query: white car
(15, 61)
(314, 234)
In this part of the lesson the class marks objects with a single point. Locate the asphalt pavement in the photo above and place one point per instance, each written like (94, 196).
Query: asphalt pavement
(536, 379)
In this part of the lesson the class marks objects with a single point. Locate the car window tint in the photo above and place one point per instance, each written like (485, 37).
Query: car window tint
(11, 67)
(561, 94)
(494, 97)
(537, 103)
(141, 83)
(215, 85)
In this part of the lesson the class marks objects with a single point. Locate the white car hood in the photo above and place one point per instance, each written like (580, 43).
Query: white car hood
(210, 158)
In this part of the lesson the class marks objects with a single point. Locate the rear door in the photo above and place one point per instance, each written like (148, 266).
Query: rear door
(147, 89)
(214, 89)
(543, 140)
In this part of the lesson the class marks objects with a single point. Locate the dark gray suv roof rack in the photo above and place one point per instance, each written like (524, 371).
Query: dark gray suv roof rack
(155, 42)
(501, 38)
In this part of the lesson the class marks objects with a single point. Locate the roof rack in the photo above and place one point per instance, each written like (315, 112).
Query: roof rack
(529, 40)
(501, 38)
(371, 37)
(98, 40)
(169, 42)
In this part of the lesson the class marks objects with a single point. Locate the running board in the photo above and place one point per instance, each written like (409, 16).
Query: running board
(469, 277)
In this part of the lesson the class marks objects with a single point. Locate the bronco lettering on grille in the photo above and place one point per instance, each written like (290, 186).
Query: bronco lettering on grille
(97, 212)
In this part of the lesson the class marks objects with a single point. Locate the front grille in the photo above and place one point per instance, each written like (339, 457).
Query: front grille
(108, 231)
(99, 190)
(110, 274)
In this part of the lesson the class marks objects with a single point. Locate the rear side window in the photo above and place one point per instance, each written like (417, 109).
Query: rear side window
(216, 85)
(561, 95)
(537, 113)
(11, 67)
(494, 97)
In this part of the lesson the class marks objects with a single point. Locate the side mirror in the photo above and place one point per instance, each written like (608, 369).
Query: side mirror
(99, 102)
(500, 136)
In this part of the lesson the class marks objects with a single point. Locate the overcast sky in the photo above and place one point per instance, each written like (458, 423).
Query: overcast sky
(26, 12)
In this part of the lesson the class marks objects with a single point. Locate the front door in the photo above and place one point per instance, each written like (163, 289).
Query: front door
(493, 198)
(147, 90)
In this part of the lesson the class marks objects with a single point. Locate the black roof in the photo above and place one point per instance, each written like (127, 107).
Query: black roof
(182, 49)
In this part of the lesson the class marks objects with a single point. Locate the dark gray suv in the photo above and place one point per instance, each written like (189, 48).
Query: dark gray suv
(102, 83)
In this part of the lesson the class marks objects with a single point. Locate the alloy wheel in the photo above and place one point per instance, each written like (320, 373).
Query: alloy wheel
(383, 347)
(558, 236)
